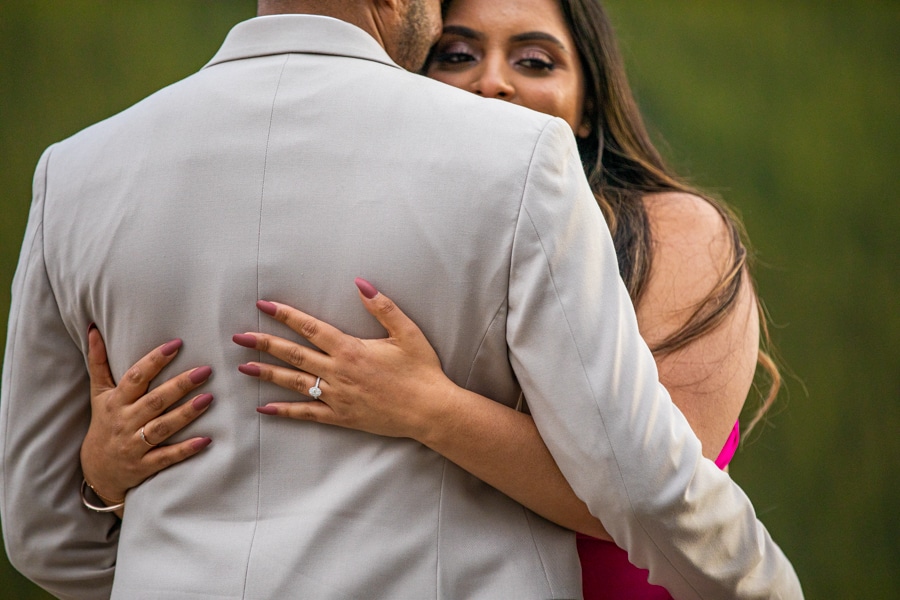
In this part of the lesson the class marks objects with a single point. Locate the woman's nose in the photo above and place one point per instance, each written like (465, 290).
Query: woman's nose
(493, 81)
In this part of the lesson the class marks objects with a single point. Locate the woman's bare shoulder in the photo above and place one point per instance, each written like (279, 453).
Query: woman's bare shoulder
(687, 223)
(692, 251)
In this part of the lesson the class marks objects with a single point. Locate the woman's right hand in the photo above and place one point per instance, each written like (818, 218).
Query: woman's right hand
(115, 457)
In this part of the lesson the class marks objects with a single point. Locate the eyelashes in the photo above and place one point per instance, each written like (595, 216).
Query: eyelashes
(460, 54)
(454, 53)
(452, 58)
(536, 60)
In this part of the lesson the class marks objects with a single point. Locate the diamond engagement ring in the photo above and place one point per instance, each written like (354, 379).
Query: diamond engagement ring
(315, 391)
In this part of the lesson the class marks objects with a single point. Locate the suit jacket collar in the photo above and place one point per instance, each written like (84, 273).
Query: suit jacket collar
(304, 34)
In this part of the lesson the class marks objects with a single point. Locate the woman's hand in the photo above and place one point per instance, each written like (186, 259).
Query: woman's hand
(395, 387)
(392, 386)
(128, 423)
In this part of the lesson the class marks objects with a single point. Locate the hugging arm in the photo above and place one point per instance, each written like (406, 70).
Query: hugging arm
(593, 388)
(575, 346)
(643, 473)
(395, 387)
(44, 413)
(495, 443)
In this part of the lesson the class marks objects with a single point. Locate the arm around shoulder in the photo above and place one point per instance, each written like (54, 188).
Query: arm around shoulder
(593, 388)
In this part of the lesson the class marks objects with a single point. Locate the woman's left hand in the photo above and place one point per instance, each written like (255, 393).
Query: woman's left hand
(395, 387)
(392, 386)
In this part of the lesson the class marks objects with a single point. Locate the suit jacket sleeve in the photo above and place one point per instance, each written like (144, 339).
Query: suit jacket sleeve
(44, 414)
(593, 389)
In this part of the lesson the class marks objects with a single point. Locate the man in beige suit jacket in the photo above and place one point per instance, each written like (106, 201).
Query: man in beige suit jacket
(299, 158)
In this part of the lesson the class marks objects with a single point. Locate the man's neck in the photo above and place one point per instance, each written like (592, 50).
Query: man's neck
(361, 14)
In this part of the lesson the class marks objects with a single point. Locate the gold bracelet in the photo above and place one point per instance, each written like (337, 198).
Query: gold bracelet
(100, 509)
(102, 497)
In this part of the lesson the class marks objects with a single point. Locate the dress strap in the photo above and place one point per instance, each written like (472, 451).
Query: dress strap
(730, 447)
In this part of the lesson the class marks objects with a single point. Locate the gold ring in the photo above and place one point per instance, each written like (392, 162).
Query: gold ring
(144, 439)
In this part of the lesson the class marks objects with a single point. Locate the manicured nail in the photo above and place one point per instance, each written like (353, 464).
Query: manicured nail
(267, 307)
(200, 374)
(201, 443)
(244, 339)
(368, 290)
(202, 401)
(170, 348)
(267, 410)
(248, 369)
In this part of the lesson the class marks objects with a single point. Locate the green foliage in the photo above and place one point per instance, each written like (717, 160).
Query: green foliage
(790, 111)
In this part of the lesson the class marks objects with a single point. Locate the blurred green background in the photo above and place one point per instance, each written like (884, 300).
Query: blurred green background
(789, 110)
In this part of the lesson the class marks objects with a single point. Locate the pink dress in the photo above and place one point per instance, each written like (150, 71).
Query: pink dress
(606, 573)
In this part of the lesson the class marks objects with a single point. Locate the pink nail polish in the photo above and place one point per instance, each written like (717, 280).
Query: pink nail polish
(244, 339)
(202, 401)
(267, 410)
(267, 307)
(199, 375)
(368, 290)
(201, 443)
(170, 348)
(248, 369)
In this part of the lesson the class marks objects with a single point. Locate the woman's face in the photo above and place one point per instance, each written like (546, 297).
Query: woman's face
(520, 51)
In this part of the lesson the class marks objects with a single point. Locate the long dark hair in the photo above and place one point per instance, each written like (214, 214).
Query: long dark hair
(622, 166)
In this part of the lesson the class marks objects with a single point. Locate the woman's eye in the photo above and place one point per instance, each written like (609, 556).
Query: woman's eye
(537, 64)
(452, 53)
(534, 60)
(453, 58)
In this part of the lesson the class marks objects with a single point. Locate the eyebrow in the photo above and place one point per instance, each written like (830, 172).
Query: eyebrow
(532, 36)
(465, 32)
(528, 36)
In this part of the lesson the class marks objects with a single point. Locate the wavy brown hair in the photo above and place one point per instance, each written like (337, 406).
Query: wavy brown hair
(622, 166)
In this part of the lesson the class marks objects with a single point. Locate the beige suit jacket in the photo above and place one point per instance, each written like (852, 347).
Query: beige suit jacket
(299, 158)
